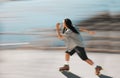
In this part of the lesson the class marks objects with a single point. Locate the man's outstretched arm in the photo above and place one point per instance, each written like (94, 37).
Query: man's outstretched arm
(88, 31)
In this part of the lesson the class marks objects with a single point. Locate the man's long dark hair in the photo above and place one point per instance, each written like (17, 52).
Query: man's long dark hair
(70, 26)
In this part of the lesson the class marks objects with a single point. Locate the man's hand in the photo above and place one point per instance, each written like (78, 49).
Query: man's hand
(57, 24)
(58, 31)
(91, 32)
(60, 37)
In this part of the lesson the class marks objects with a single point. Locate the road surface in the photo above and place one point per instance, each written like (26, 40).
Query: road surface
(45, 64)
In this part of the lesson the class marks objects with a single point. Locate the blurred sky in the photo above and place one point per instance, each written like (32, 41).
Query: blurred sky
(26, 15)
(19, 16)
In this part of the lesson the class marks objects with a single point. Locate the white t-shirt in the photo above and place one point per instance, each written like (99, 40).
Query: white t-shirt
(72, 39)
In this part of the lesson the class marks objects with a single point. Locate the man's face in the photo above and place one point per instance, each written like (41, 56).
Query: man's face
(64, 24)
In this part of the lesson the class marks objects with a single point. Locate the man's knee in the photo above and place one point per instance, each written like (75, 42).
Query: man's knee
(70, 52)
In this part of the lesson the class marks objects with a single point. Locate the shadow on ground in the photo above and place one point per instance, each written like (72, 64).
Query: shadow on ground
(70, 74)
(104, 76)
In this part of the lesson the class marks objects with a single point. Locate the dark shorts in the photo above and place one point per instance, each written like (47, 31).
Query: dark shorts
(80, 51)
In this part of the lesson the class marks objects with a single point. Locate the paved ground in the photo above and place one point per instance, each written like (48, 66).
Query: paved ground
(45, 64)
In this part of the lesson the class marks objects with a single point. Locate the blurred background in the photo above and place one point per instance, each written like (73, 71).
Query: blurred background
(29, 47)
(26, 24)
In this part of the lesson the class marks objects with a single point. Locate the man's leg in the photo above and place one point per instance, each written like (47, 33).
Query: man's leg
(90, 62)
(66, 66)
(97, 68)
(67, 59)
(82, 54)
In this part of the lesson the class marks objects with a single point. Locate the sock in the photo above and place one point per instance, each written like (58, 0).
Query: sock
(66, 62)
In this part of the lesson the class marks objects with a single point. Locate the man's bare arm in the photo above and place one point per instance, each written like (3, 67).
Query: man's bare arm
(58, 31)
(88, 31)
